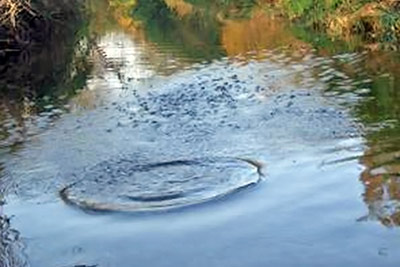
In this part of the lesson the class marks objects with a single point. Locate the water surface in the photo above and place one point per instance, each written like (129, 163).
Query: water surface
(206, 135)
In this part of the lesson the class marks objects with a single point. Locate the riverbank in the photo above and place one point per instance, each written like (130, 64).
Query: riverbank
(24, 23)
(37, 40)
(375, 22)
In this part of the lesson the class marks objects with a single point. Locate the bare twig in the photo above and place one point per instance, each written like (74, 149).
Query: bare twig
(10, 11)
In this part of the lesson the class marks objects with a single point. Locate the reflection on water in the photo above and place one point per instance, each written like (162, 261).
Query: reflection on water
(181, 80)
(382, 183)
(380, 112)
(32, 97)
(241, 37)
(11, 246)
(181, 7)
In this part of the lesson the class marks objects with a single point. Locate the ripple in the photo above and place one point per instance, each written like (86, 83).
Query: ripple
(11, 245)
(126, 185)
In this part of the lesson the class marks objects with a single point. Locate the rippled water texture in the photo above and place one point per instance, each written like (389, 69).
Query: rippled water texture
(127, 186)
(204, 137)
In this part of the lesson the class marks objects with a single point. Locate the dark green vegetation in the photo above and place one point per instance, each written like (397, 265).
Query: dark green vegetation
(26, 23)
(38, 41)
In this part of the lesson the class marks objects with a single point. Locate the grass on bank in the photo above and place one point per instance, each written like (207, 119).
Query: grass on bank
(377, 21)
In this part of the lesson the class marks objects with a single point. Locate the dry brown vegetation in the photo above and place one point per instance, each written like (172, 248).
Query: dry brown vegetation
(27, 21)
(36, 42)
(11, 11)
(377, 22)
(370, 14)
(16, 19)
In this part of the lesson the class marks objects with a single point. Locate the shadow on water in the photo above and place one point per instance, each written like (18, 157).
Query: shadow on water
(194, 36)
(36, 83)
(132, 115)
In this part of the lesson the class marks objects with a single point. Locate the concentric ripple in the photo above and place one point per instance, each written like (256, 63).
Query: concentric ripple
(125, 185)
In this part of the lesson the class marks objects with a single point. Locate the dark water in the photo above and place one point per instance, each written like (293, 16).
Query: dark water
(184, 133)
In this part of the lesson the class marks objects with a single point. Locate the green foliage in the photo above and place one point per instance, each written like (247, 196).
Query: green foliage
(391, 24)
(321, 41)
(375, 21)
(297, 8)
(45, 65)
(311, 10)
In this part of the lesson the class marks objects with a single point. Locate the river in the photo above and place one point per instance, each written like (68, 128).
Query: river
(203, 136)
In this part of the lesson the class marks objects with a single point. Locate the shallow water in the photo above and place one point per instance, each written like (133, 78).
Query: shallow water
(203, 141)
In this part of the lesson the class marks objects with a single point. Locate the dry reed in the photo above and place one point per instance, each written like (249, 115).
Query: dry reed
(11, 10)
